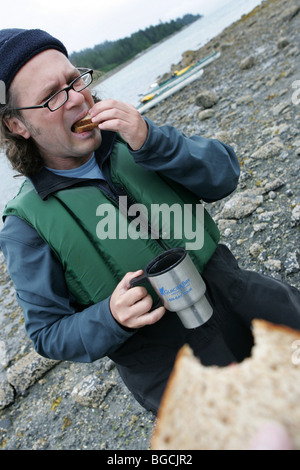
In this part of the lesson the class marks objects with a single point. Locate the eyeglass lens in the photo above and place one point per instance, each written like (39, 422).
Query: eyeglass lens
(61, 97)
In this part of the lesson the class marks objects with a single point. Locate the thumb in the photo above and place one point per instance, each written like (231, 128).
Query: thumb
(271, 436)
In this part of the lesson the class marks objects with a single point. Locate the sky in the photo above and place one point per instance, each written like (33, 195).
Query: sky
(81, 24)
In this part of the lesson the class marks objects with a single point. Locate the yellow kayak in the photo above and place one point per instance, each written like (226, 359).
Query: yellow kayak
(148, 97)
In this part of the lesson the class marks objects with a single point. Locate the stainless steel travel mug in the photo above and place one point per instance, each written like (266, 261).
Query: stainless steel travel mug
(179, 285)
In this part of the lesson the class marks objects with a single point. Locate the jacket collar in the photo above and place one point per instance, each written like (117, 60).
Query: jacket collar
(46, 182)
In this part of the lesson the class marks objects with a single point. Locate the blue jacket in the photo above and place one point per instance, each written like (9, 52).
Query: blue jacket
(58, 327)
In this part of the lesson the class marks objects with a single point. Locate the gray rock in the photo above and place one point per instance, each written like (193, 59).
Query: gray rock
(224, 137)
(225, 46)
(267, 185)
(272, 195)
(227, 232)
(263, 256)
(241, 205)
(205, 114)
(3, 354)
(245, 99)
(291, 264)
(7, 394)
(271, 149)
(273, 265)
(223, 224)
(282, 43)
(295, 215)
(25, 372)
(92, 391)
(291, 12)
(207, 99)
(266, 216)
(247, 63)
(260, 226)
(280, 108)
(256, 249)
(5, 424)
(109, 365)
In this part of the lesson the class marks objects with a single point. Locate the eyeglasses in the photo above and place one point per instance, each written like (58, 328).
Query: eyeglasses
(59, 99)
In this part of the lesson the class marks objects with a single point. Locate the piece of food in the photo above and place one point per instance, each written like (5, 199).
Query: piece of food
(84, 124)
(222, 408)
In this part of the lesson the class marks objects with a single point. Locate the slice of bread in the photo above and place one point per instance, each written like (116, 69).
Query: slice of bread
(214, 408)
(84, 124)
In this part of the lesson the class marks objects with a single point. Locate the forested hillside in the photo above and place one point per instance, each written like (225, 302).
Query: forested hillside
(110, 54)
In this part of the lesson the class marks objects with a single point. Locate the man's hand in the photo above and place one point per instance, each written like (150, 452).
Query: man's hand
(113, 115)
(131, 306)
(272, 435)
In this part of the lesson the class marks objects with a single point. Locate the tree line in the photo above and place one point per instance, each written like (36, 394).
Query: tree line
(110, 54)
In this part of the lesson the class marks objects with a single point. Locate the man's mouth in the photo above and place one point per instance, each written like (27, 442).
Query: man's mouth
(83, 125)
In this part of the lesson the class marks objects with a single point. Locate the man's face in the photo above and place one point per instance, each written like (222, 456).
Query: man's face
(41, 77)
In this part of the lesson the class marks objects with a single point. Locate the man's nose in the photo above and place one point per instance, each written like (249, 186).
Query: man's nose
(75, 98)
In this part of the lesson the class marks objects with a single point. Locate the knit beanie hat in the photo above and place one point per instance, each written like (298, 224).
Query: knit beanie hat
(18, 46)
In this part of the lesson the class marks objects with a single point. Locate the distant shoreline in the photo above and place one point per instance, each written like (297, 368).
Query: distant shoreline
(140, 54)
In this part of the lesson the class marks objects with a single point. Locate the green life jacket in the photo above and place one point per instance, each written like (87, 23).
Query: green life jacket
(70, 220)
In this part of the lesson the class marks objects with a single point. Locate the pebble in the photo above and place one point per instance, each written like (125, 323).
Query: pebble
(291, 263)
(256, 249)
(260, 227)
(205, 114)
(295, 219)
(273, 265)
(247, 63)
(282, 43)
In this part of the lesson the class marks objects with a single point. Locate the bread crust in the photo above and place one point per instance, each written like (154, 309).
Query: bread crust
(84, 125)
(221, 408)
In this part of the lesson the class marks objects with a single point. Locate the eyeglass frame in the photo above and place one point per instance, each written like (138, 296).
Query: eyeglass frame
(66, 90)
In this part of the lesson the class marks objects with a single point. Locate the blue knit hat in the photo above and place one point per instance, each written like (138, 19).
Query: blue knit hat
(18, 46)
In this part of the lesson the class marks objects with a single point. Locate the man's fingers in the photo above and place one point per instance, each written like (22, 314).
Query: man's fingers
(131, 306)
(272, 436)
(150, 318)
(124, 284)
(108, 110)
(123, 118)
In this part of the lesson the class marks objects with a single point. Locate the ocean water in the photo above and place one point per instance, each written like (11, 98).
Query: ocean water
(9, 183)
(135, 79)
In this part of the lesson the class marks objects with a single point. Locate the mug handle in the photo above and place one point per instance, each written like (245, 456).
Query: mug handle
(140, 280)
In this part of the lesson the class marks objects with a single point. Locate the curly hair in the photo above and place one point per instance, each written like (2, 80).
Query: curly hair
(22, 153)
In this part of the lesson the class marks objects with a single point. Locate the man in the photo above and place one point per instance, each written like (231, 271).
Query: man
(72, 281)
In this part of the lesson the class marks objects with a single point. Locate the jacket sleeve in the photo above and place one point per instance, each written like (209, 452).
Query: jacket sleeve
(207, 167)
(57, 327)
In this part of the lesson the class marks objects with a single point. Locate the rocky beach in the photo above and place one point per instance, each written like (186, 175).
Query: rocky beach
(248, 98)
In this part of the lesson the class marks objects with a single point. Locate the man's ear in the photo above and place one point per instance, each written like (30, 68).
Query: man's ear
(16, 126)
